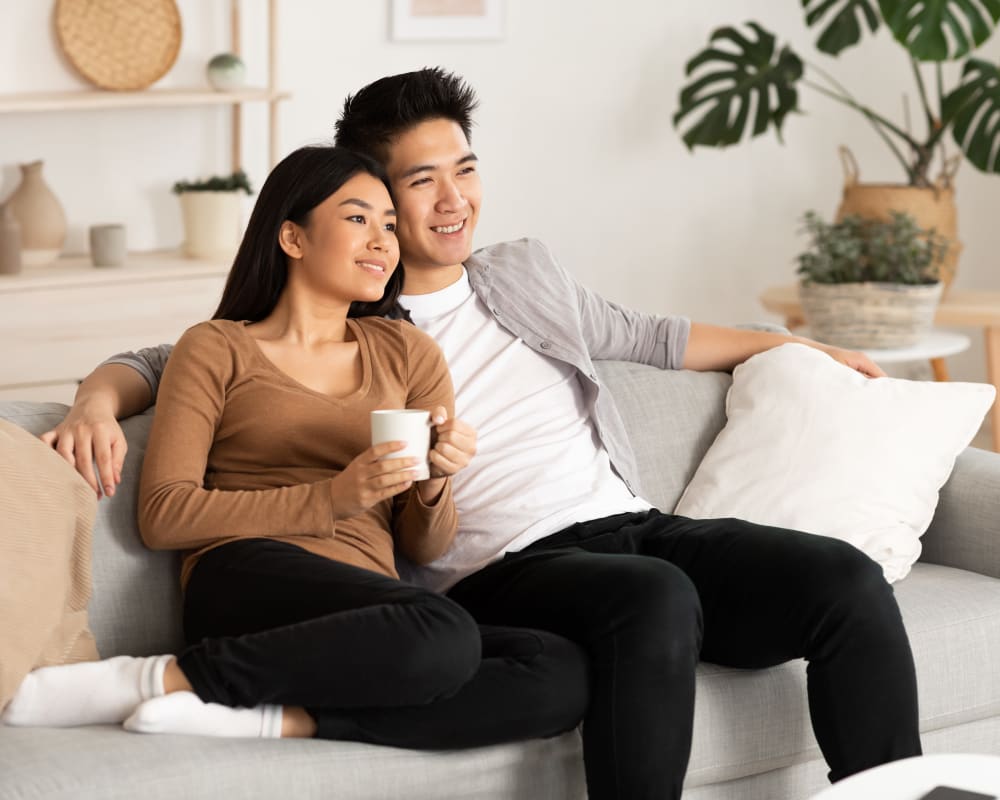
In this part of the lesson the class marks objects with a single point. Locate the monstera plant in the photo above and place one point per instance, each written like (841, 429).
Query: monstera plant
(743, 73)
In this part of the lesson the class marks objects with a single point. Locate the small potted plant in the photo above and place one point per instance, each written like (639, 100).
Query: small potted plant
(212, 212)
(870, 284)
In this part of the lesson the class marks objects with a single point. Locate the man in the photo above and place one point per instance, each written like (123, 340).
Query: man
(553, 530)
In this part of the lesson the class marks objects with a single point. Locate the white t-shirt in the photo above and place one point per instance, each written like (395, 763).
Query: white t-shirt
(539, 466)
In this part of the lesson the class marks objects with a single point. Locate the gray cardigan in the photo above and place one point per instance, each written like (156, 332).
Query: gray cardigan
(535, 299)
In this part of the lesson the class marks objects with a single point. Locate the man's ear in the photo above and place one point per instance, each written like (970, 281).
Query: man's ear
(290, 239)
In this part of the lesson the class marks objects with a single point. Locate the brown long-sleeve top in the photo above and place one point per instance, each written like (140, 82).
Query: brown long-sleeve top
(239, 449)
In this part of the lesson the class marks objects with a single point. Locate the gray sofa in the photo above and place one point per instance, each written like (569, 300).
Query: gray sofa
(752, 735)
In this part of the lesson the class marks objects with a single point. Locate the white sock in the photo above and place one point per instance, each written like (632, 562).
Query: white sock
(185, 712)
(88, 693)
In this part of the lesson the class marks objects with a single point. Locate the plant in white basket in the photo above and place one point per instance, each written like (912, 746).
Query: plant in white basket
(870, 284)
(213, 214)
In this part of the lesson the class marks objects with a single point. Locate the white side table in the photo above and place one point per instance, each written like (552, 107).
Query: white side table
(912, 778)
(935, 347)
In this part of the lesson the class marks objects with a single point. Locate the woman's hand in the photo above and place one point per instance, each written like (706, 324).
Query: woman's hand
(854, 360)
(90, 432)
(454, 447)
(367, 481)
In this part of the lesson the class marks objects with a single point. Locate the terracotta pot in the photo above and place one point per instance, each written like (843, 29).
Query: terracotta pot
(42, 220)
(931, 207)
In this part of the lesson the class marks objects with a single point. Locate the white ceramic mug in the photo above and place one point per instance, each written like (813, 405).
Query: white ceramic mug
(405, 425)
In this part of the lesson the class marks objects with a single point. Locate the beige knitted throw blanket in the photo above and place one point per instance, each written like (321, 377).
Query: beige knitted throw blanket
(46, 521)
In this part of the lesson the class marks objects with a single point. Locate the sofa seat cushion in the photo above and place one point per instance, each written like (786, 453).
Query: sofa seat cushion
(109, 763)
(752, 721)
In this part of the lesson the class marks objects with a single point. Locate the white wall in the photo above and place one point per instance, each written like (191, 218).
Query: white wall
(574, 135)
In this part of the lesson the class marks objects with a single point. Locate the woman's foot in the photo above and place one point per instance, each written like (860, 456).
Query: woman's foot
(185, 712)
(88, 693)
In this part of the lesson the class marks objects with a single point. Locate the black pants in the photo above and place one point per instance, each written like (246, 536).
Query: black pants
(649, 594)
(371, 658)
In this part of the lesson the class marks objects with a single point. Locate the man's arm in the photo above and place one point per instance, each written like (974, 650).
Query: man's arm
(718, 349)
(611, 331)
(120, 387)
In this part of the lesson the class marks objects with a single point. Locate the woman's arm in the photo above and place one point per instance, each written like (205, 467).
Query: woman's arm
(424, 517)
(175, 510)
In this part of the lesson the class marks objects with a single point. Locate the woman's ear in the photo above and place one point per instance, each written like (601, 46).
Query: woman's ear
(290, 239)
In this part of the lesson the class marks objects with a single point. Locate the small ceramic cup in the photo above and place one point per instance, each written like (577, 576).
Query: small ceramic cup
(107, 245)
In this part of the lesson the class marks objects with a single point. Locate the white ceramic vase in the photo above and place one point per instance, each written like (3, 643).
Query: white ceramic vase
(40, 215)
(212, 224)
(226, 72)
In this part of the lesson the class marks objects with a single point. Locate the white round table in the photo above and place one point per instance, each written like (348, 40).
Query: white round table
(934, 347)
(912, 778)
(937, 344)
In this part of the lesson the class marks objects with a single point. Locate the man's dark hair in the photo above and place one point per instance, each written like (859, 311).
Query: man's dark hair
(379, 112)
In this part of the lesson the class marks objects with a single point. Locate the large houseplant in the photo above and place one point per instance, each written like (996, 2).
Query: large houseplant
(213, 214)
(745, 70)
(867, 283)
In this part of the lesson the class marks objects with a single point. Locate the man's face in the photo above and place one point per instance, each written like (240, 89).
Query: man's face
(435, 179)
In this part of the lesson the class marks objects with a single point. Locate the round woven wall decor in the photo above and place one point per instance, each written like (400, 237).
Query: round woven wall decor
(119, 44)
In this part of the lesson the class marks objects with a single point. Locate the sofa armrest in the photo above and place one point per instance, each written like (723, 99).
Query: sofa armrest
(965, 531)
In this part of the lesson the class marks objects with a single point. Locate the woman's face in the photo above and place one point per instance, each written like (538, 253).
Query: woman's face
(347, 251)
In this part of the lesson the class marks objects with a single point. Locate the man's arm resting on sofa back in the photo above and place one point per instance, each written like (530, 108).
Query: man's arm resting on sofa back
(713, 348)
(965, 532)
(90, 431)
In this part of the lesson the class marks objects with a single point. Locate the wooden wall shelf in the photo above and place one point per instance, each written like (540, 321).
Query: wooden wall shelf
(150, 98)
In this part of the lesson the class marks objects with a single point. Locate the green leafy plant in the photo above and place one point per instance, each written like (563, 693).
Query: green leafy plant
(237, 182)
(737, 71)
(857, 250)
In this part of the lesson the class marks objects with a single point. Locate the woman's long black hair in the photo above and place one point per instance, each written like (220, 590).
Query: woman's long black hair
(298, 184)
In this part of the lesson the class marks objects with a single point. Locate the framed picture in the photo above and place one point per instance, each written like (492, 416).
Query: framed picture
(446, 20)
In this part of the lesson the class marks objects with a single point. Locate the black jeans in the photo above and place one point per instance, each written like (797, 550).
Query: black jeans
(371, 658)
(649, 594)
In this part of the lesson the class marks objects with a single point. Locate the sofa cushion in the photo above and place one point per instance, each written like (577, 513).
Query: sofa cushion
(751, 721)
(811, 444)
(111, 764)
(671, 418)
(135, 605)
(46, 523)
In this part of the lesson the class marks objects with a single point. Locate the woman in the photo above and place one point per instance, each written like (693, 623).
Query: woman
(258, 467)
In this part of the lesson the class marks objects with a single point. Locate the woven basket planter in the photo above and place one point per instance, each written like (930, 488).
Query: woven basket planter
(869, 315)
(932, 207)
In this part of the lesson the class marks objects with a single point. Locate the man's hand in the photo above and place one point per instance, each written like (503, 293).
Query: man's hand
(854, 360)
(367, 481)
(91, 433)
(454, 446)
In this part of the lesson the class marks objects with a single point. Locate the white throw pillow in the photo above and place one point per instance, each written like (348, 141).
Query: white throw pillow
(815, 446)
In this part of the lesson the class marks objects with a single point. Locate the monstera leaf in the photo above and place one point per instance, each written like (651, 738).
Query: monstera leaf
(974, 111)
(843, 28)
(938, 30)
(732, 80)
